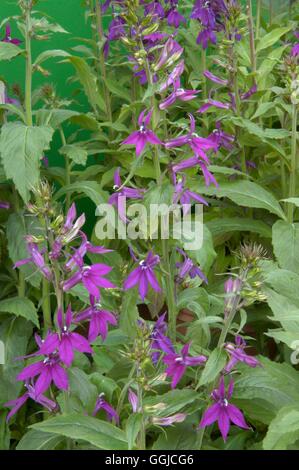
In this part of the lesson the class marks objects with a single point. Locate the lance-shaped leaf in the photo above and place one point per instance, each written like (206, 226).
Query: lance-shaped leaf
(9, 50)
(21, 307)
(21, 149)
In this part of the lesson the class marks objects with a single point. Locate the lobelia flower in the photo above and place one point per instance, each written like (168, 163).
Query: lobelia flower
(213, 103)
(159, 342)
(173, 76)
(191, 163)
(295, 49)
(177, 364)
(185, 196)
(71, 227)
(143, 275)
(198, 144)
(222, 138)
(206, 36)
(237, 354)
(118, 199)
(249, 93)
(8, 38)
(133, 399)
(4, 205)
(222, 411)
(99, 320)
(30, 393)
(171, 52)
(37, 259)
(143, 136)
(102, 404)
(174, 18)
(169, 420)
(66, 341)
(154, 8)
(48, 370)
(178, 94)
(214, 78)
(232, 288)
(92, 277)
(116, 31)
(77, 258)
(188, 268)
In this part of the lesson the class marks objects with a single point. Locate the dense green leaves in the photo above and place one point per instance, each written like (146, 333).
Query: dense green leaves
(283, 430)
(286, 245)
(21, 307)
(21, 149)
(102, 435)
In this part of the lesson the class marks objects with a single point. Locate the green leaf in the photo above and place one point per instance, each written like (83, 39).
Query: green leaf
(90, 189)
(257, 131)
(81, 387)
(76, 153)
(172, 401)
(283, 430)
(285, 239)
(102, 435)
(45, 55)
(9, 50)
(129, 312)
(180, 437)
(21, 149)
(54, 117)
(234, 224)
(248, 194)
(262, 109)
(133, 427)
(261, 392)
(284, 311)
(21, 307)
(214, 365)
(292, 200)
(271, 38)
(89, 82)
(37, 440)
(284, 282)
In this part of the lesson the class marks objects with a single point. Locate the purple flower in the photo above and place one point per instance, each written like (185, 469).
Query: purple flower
(159, 342)
(185, 196)
(249, 93)
(154, 8)
(4, 205)
(295, 48)
(169, 420)
(191, 163)
(8, 37)
(77, 258)
(99, 320)
(49, 370)
(188, 268)
(174, 18)
(143, 136)
(177, 364)
(237, 354)
(36, 257)
(102, 404)
(198, 144)
(206, 36)
(210, 103)
(92, 277)
(144, 275)
(71, 227)
(222, 411)
(66, 341)
(178, 94)
(133, 399)
(170, 53)
(214, 78)
(173, 76)
(30, 393)
(221, 138)
(118, 199)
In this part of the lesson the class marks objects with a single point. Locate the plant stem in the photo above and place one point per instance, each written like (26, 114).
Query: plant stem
(204, 66)
(251, 35)
(226, 327)
(141, 436)
(294, 162)
(46, 306)
(258, 18)
(238, 106)
(28, 84)
(68, 168)
(100, 32)
(170, 296)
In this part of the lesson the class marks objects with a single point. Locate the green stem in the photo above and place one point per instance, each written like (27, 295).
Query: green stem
(294, 162)
(204, 80)
(238, 108)
(28, 84)
(100, 32)
(170, 295)
(142, 434)
(258, 18)
(68, 169)
(224, 332)
(46, 306)
(251, 36)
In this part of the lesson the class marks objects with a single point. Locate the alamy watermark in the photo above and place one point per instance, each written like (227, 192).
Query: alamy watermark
(155, 221)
